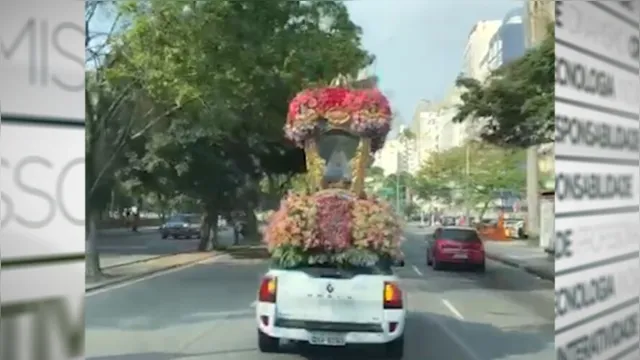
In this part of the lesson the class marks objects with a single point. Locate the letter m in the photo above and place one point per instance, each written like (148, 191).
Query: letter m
(28, 31)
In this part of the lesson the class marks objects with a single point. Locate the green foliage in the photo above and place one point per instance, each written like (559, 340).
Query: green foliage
(475, 173)
(411, 209)
(216, 77)
(515, 105)
(289, 257)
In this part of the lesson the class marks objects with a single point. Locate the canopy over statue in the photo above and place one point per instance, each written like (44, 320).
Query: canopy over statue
(339, 129)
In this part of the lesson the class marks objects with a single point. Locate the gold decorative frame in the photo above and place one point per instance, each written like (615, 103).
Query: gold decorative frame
(316, 165)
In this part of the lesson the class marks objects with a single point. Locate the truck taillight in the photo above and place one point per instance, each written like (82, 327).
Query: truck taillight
(267, 292)
(392, 296)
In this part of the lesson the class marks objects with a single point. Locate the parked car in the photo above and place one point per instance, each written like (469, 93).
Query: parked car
(515, 228)
(181, 226)
(455, 245)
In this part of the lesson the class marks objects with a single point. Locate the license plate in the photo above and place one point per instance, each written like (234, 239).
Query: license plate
(327, 339)
(460, 256)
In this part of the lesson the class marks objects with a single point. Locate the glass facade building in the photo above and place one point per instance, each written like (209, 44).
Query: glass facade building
(509, 42)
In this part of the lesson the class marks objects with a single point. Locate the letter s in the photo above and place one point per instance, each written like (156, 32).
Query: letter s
(7, 215)
(68, 55)
(17, 176)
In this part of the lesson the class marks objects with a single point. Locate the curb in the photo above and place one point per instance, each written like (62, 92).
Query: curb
(139, 261)
(533, 271)
(143, 274)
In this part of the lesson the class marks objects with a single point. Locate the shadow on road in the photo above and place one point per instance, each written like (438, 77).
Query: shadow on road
(427, 336)
(167, 356)
(203, 293)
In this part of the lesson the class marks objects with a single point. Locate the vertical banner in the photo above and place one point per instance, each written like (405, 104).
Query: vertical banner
(42, 179)
(597, 198)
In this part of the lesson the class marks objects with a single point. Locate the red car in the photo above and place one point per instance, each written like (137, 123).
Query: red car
(456, 245)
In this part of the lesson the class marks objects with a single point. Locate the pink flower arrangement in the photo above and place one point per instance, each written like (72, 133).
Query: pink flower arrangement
(293, 224)
(334, 220)
(375, 226)
(328, 225)
(368, 110)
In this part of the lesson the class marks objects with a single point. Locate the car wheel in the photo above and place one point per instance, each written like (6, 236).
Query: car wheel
(481, 268)
(267, 344)
(164, 236)
(436, 264)
(394, 350)
(429, 261)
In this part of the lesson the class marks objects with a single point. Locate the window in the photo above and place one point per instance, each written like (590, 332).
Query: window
(460, 235)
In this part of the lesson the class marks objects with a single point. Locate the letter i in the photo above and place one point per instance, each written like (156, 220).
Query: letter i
(44, 53)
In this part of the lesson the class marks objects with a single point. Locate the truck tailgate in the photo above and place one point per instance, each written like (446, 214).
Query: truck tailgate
(330, 297)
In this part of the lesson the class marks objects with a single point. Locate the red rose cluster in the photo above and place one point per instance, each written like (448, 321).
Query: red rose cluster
(368, 110)
(334, 98)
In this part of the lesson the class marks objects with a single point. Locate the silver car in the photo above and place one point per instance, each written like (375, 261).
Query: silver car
(185, 226)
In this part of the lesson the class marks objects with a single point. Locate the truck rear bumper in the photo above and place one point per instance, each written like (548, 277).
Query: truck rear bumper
(370, 334)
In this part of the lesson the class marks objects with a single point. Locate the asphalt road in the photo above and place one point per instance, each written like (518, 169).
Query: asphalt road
(205, 312)
(125, 247)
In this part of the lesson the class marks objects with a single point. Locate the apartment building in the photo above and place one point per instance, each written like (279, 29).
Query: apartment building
(508, 43)
(477, 46)
(388, 158)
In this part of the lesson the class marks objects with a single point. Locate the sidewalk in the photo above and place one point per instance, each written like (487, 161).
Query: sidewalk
(522, 254)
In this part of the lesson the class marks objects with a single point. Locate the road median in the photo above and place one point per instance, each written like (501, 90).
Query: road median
(245, 252)
(115, 275)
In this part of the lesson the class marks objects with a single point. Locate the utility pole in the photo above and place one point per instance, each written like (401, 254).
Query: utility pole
(467, 182)
(539, 16)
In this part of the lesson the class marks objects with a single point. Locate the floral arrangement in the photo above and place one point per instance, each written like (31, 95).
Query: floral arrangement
(332, 226)
(366, 113)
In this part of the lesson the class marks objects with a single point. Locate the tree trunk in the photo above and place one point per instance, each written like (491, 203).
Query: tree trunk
(92, 257)
(485, 206)
(213, 230)
(251, 224)
(209, 235)
(204, 234)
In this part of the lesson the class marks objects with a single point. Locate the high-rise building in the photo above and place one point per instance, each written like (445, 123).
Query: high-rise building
(477, 45)
(538, 16)
(408, 159)
(508, 43)
(434, 128)
(387, 157)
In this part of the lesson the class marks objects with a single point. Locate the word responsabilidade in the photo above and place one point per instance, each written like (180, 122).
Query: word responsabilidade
(593, 186)
(596, 134)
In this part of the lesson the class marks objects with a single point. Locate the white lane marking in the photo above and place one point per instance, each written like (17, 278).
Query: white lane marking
(148, 277)
(452, 309)
(415, 268)
(122, 248)
(471, 355)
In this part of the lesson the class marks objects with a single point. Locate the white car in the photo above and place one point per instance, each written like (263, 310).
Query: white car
(330, 307)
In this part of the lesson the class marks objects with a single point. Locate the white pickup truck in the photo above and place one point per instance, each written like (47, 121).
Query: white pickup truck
(328, 306)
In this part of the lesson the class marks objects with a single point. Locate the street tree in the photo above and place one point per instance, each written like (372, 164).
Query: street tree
(475, 174)
(237, 63)
(514, 106)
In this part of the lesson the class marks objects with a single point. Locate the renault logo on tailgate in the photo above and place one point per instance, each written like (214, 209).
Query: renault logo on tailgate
(329, 288)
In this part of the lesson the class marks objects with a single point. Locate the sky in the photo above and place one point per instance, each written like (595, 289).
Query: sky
(419, 43)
